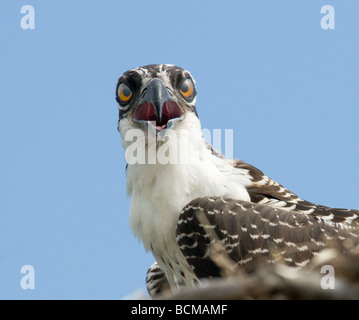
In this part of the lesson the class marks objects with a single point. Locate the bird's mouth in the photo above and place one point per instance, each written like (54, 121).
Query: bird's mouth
(157, 106)
(146, 111)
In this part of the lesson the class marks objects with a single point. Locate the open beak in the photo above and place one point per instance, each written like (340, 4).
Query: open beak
(157, 106)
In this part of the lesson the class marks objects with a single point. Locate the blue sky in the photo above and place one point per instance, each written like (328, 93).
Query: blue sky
(265, 69)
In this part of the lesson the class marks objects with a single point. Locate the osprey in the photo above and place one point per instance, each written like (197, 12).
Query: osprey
(186, 196)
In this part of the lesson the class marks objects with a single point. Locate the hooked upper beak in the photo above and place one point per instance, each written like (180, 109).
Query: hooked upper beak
(157, 105)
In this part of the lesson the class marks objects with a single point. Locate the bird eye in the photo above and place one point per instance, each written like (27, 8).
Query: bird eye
(187, 88)
(124, 93)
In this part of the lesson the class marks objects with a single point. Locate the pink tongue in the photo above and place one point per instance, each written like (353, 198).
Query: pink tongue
(146, 112)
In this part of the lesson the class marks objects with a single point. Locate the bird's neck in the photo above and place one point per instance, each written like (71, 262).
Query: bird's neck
(160, 190)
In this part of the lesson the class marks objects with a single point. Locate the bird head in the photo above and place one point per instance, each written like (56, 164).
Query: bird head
(157, 97)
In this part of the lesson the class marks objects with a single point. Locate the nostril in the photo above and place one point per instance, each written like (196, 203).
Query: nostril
(143, 92)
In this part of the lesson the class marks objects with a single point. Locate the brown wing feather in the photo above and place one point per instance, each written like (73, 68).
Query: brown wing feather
(253, 234)
(266, 191)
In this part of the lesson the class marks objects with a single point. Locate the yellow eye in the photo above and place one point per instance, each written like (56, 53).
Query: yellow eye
(187, 88)
(124, 93)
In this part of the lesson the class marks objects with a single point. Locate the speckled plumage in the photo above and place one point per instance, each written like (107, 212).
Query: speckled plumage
(257, 220)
